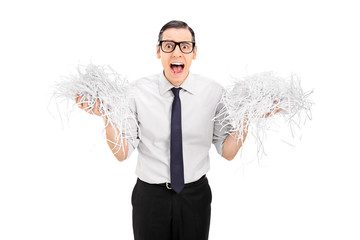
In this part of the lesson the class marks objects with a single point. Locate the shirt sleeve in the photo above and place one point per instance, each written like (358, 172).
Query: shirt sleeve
(132, 129)
(222, 127)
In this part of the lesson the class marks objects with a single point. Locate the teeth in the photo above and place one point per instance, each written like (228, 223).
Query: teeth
(177, 64)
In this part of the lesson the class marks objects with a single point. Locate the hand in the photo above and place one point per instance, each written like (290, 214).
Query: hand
(83, 104)
(276, 110)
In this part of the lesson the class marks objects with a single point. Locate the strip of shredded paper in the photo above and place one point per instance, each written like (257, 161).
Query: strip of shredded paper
(102, 83)
(249, 99)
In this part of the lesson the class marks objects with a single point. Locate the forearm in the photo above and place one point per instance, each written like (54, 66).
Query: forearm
(232, 145)
(119, 149)
(119, 146)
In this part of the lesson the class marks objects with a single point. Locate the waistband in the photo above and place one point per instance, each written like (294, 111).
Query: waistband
(168, 185)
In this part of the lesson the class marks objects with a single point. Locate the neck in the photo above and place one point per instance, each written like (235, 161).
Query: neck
(175, 82)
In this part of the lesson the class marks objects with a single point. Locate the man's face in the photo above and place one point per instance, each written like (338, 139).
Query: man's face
(176, 64)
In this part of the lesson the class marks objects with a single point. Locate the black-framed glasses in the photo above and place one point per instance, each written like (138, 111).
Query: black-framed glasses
(169, 46)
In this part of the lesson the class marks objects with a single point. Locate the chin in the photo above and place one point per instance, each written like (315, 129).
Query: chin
(178, 78)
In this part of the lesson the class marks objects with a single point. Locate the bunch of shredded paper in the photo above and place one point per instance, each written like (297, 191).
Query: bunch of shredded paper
(251, 101)
(101, 83)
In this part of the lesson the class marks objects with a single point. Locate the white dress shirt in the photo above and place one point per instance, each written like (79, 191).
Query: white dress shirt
(152, 104)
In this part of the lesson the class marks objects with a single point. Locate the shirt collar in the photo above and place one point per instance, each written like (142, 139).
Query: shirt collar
(188, 84)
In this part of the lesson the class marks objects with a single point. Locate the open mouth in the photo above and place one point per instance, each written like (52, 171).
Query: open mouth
(177, 68)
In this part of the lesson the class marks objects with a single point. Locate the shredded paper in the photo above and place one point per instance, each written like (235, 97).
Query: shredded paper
(251, 101)
(113, 91)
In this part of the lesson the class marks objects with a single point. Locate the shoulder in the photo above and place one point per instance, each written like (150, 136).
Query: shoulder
(151, 79)
(142, 89)
(208, 84)
(150, 82)
(207, 81)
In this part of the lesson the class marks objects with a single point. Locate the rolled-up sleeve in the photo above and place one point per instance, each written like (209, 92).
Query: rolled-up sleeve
(132, 129)
(222, 127)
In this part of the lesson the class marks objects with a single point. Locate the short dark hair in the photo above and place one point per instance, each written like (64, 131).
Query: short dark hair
(176, 24)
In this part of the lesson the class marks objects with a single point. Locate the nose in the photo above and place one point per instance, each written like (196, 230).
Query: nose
(177, 52)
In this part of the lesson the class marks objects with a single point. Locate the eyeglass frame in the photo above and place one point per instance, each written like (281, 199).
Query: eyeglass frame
(177, 44)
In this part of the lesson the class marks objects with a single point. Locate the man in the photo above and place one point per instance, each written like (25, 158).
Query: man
(174, 109)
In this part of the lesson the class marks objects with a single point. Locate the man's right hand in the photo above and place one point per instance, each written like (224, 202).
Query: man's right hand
(119, 149)
(83, 104)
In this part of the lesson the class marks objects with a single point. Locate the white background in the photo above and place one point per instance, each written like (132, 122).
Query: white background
(63, 182)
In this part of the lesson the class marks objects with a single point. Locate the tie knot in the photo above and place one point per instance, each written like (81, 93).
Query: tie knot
(176, 91)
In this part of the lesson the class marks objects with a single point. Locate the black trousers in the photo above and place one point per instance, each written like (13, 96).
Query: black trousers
(162, 214)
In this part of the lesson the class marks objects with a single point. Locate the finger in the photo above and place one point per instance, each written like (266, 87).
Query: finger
(84, 103)
(88, 107)
(80, 101)
(96, 108)
(90, 111)
(77, 99)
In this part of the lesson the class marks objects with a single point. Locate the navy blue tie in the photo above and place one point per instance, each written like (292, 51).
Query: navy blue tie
(176, 153)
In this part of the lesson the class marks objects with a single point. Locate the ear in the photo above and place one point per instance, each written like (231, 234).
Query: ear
(194, 53)
(158, 51)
